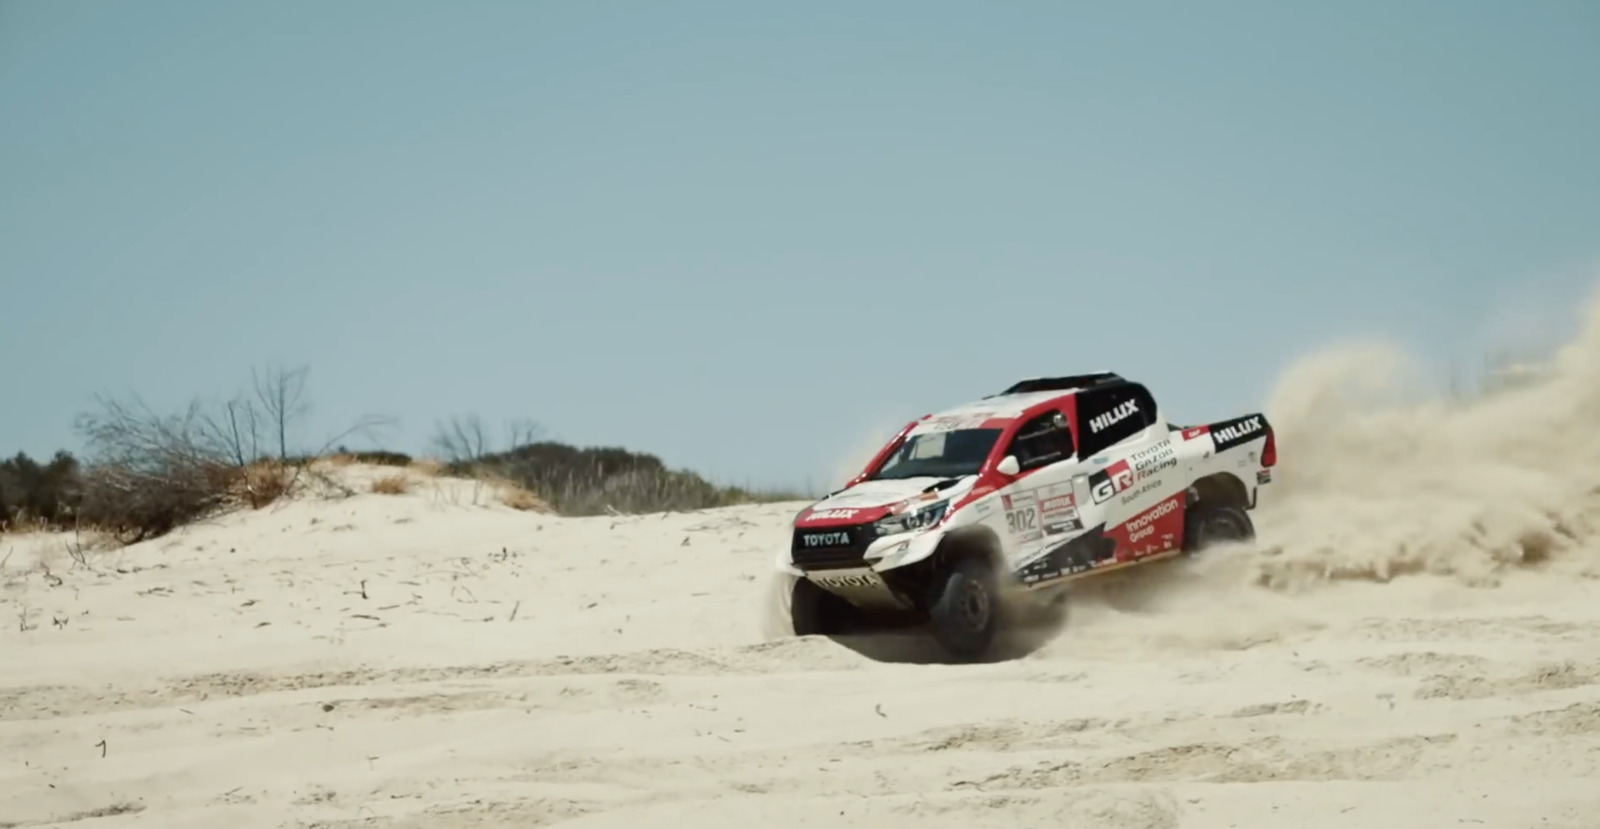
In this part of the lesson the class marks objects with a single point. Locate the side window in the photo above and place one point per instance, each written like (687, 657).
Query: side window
(1147, 406)
(1043, 440)
(1108, 416)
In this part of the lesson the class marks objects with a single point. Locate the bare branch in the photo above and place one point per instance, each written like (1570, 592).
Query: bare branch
(235, 431)
(521, 432)
(282, 397)
(463, 440)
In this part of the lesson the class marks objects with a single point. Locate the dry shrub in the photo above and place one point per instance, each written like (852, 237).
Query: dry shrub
(396, 484)
(428, 466)
(24, 524)
(371, 457)
(150, 474)
(264, 482)
(518, 498)
(148, 497)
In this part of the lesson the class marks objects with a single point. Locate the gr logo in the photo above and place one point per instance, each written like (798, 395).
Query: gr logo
(1110, 481)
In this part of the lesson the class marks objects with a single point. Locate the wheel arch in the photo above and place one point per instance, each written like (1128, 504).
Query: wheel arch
(972, 541)
(1221, 489)
(1218, 491)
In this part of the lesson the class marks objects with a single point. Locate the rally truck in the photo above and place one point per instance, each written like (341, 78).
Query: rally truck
(1013, 498)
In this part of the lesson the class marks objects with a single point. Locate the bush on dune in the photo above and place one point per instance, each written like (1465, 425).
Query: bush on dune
(149, 474)
(589, 480)
(145, 474)
(38, 494)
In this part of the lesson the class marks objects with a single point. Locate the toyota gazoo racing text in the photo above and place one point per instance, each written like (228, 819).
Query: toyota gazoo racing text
(1053, 480)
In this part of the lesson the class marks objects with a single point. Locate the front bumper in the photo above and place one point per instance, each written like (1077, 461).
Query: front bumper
(853, 548)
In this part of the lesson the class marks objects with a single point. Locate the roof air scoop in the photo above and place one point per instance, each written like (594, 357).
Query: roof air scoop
(1067, 383)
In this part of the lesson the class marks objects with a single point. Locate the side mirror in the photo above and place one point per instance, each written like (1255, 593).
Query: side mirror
(1008, 466)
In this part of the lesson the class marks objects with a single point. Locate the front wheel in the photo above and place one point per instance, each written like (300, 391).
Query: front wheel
(965, 610)
(1205, 526)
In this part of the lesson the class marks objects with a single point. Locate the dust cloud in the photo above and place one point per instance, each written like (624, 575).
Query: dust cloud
(1388, 497)
(1378, 480)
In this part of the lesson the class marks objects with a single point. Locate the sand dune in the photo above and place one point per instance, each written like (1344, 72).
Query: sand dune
(1415, 642)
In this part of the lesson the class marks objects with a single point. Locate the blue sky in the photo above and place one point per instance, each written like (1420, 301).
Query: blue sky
(751, 237)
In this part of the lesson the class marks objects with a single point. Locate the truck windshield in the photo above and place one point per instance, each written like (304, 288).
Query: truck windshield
(948, 454)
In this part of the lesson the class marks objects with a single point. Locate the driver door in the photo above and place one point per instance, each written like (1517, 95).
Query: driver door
(1040, 503)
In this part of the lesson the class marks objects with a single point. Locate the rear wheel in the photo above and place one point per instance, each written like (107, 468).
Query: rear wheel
(1208, 525)
(965, 611)
(815, 611)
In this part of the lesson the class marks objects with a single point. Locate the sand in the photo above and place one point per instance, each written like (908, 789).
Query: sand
(1413, 642)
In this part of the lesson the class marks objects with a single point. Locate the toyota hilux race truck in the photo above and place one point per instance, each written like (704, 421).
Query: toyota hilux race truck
(1019, 494)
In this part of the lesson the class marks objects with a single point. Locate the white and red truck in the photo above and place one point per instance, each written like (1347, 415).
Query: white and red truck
(1053, 480)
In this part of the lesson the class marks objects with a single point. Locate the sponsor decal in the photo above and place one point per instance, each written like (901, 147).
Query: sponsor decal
(1231, 433)
(1100, 461)
(1014, 500)
(1148, 487)
(838, 538)
(1152, 461)
(1075, 555)
(1022, 515)
(862, 579)
(1264, 476)
(1152, 471)
(1059, 527)
(1023, 521)
(832, 514)
(1110, 481)
(1152, 454)
(1105, 420)
(1197, 431)
(1143, 526)
(1058, 505)
(952, 422)
(1151, 532)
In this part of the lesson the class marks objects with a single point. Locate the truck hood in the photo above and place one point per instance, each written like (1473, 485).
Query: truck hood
(871, 500)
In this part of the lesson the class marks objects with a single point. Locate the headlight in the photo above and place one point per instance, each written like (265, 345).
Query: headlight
(912, 521)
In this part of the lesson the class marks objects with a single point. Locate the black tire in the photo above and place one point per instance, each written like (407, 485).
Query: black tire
(965, 611)
(816, 612)
(1206, 525)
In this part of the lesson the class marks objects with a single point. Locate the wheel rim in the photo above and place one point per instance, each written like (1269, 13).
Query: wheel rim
(974, 605)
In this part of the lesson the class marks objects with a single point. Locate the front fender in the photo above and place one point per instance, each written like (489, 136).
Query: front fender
(783, 562)
(904, 549)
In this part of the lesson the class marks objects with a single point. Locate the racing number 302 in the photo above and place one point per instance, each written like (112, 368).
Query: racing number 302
(1022, 520)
